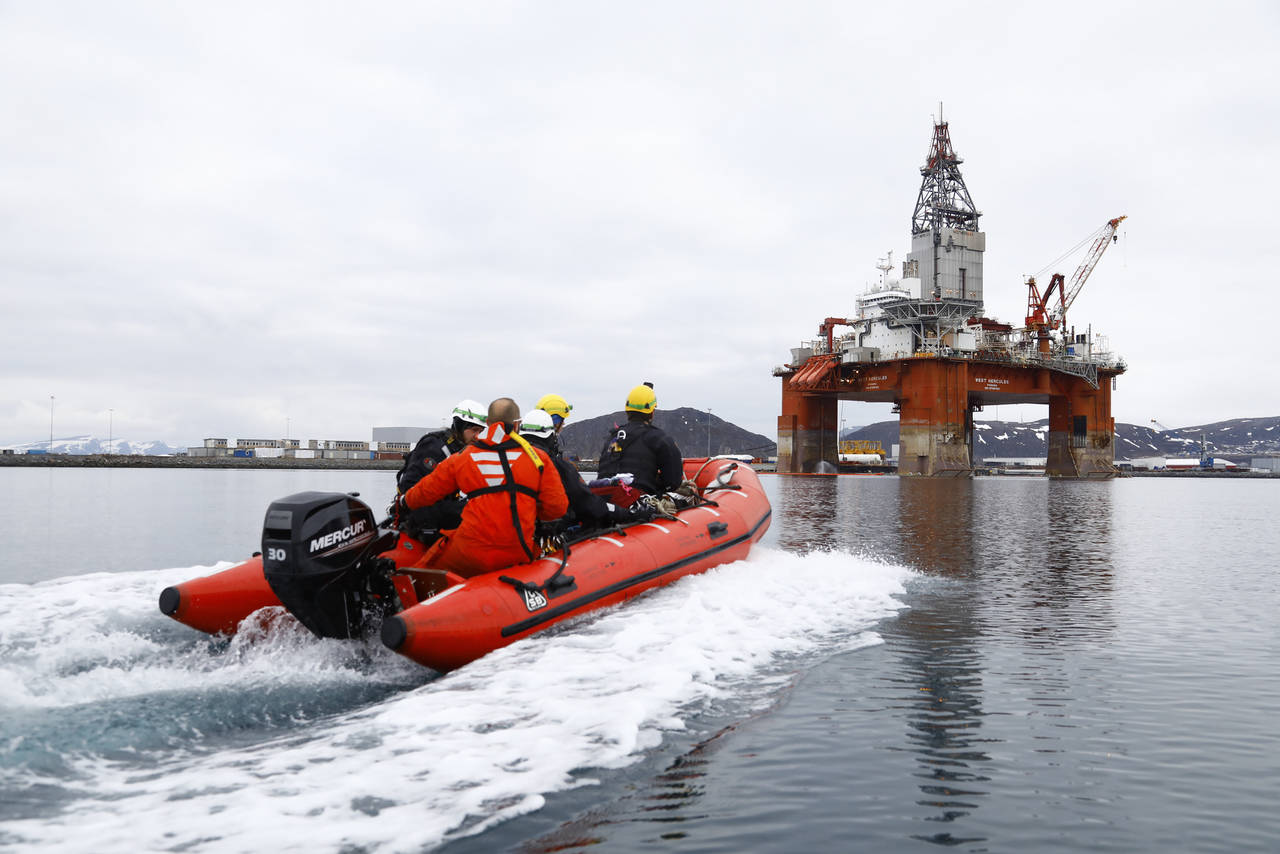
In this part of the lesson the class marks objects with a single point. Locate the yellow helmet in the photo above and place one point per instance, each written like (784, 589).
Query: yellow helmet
(554, 405)
(642, 399)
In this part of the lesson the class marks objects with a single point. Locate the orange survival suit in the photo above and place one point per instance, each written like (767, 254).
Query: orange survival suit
(506, 492)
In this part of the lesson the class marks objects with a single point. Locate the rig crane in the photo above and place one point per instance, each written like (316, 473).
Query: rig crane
(1041, 318)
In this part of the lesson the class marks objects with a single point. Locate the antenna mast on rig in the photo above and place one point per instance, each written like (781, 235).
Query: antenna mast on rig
(944, 199)
(946, 249)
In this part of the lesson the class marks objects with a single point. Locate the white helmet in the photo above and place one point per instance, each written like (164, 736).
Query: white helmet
(537, 423)
(470, 412)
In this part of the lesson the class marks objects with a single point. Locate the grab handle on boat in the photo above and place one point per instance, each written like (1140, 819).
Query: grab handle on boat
(557, 581)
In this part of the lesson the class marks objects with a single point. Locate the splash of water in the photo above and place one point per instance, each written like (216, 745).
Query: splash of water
(114, 712)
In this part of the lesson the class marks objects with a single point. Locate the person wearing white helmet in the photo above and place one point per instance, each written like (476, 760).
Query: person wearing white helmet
(510, 487)
(431, 450)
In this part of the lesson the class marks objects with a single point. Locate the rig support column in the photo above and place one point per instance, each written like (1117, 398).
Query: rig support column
(807, 431)
(1081, 440)
(934, 422)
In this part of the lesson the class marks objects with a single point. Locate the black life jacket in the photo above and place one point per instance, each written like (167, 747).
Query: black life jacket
(430, 451)
(584, 505)
(628, 451)
(619, 440)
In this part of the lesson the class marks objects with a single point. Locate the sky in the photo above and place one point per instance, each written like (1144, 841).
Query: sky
(311, 219)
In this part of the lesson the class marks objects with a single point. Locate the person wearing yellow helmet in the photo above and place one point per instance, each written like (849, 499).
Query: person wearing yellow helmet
(555, 406)
(642, 450)
(642, 399)
(558, 409)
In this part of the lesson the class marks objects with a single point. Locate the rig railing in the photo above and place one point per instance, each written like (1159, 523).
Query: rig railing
(1084, 367)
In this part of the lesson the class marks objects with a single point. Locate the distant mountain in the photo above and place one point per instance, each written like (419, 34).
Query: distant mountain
(81, 445)
(1236, 440)
(693, 430)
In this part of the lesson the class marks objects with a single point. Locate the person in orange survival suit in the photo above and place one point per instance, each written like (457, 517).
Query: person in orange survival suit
(509, 484)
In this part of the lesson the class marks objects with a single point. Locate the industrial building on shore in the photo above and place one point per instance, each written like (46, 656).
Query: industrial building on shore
(389, 443)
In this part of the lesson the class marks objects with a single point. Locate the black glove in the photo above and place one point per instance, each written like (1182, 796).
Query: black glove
(642, 512)
(631, 515)
(398, 511)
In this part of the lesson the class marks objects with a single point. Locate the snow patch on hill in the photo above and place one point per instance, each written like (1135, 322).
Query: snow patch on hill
(84, 445)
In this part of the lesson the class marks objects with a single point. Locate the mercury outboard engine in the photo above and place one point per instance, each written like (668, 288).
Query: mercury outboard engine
(320, 556)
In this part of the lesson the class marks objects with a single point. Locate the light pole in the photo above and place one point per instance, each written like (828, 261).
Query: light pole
(111, 414)
(708, 432)
(50, 424)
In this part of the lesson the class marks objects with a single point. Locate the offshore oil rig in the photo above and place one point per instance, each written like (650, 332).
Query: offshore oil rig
(920, 340)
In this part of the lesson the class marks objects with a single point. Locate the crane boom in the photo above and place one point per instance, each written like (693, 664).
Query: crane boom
(1104, 237)
(1040, 317)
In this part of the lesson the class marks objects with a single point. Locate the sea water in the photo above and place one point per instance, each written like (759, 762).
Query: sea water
(986, 665)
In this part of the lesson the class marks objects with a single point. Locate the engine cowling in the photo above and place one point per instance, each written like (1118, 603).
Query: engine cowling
(319, 554)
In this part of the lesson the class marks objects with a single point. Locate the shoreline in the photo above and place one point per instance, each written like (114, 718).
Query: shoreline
(249, 463)
(143, 461)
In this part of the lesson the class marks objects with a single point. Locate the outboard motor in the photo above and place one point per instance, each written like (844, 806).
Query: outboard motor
(320, 556)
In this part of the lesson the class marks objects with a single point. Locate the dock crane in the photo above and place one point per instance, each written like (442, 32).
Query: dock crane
(1041, 318)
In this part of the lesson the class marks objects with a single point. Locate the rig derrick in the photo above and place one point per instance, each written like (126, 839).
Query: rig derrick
(922, 343)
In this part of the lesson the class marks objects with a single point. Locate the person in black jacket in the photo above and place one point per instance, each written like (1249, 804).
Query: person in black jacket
(431, 450)
(589, 509)
(642, 450)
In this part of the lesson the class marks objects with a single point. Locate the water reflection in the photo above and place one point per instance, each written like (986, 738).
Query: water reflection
(1046, 557)
(939, 681)
(1036, 553)
(846, 512)
(807, 513)
(935, 524)
(1016, 579)
(670, 797)
(1081, 546)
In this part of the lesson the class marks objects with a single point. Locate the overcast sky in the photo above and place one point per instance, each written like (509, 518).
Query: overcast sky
(233, 219)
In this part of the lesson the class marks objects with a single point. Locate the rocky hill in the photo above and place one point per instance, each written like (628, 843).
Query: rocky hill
(694, 431)
(1237, 440)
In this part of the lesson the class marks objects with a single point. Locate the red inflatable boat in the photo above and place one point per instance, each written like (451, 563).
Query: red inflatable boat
(325, 560)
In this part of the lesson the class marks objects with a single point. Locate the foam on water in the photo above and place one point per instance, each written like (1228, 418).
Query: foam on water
(276, 740)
